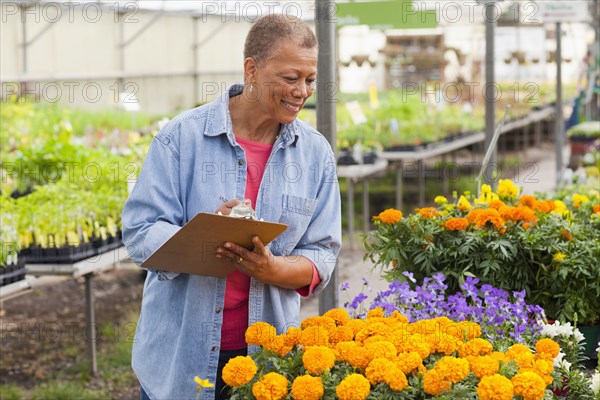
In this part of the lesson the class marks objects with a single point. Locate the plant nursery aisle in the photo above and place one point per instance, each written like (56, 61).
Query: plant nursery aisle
(44, 340)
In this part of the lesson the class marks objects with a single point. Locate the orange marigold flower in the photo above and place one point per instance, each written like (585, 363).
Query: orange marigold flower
(260, 333)
(339, 315)
(434, 384)
(272, 386)
(596, 208)
(471, 330)
(323, 321)
(527, 200)
(483, 366)
(342, 334)
(529, 385)
(565, 234)
(495, 387)
(475, 347)
(521, 354)
(522, 213)
(353, 387)
(456, 224)
(428, 212)
(278, 345)
(496, 204)
(544, 206)
(239, 370)
(358, 357)
(314, 336)
(307, 387)
(409, 361)
(381, 349)
(376, 369)
(396, 316)
(543, 367)
(376, 312)
(356, 324)
(317, 359)
(453, 369)
(500, 356)
(389, 216)
(395, 379)
(547, 346)
(292, 336)
(482, 216)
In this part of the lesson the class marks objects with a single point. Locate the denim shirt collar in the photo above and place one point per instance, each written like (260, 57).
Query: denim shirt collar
(219, 121)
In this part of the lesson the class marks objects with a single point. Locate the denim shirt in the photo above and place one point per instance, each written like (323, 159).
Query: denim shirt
(191, 163)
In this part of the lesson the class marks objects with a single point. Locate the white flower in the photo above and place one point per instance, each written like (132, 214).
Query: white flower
(595, 385)
(559, 362)
(578, 336)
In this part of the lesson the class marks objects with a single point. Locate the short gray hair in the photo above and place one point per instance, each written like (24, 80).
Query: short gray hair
(267, 32)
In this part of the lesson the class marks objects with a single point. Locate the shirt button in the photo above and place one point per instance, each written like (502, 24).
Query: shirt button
(241, 162)
(218, 310)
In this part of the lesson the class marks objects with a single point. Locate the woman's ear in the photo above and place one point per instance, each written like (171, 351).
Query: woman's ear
(250, 67)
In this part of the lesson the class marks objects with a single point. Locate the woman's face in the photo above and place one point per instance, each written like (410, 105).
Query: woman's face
(285, 81)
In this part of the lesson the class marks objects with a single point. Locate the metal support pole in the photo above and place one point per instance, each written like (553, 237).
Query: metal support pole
(444, 175)
(558, 130)
(421, 172)
(326, 35)
(525, 139)
(490, 94)
(90, 321)
(121, 50)
(537, 133)
(399, 186)
(350, 213)
(195, 53)
(365, 210)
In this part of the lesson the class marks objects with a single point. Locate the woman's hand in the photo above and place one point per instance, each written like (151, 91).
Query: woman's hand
(290, 272)
(226, 207)
(258, 263)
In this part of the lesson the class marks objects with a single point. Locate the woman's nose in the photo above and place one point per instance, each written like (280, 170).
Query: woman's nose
(302, 89)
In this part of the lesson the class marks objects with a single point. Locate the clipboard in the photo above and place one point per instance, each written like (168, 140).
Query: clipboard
(193, 249)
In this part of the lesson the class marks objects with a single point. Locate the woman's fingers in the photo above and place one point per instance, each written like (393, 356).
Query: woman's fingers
(225, 208)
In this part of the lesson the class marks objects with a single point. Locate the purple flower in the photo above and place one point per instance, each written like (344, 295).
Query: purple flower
(344, 286)
(410, 276)
(358, 300)
(502, 316)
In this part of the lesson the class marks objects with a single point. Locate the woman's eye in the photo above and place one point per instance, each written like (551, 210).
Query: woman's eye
(311, 83)
(290, 79)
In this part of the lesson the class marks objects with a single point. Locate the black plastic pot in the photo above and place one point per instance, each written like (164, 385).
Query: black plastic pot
(12, 273)
(370, 158)
(346, 158)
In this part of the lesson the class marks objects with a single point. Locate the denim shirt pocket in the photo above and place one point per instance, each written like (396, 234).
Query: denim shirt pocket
(296, 213)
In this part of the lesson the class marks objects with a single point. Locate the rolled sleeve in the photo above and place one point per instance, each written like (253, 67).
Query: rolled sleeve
(322, 240)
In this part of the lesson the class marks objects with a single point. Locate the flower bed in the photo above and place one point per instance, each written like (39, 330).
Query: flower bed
(546, 247)
(337, 357)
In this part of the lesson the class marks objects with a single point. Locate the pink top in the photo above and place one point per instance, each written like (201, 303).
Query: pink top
(237, 288)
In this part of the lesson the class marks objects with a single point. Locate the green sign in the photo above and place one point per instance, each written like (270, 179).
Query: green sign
(393, 14)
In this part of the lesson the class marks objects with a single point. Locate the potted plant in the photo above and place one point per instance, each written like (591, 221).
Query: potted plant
(546, 247)
(12, 269)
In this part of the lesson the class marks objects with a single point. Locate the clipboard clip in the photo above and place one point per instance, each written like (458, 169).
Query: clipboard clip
(243, 210)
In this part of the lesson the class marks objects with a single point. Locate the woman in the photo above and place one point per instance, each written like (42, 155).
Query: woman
(246, 144)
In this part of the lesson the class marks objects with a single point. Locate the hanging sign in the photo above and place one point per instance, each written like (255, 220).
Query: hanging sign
(564, 11)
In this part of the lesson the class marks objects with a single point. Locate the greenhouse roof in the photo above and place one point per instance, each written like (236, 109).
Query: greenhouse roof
(246, 9)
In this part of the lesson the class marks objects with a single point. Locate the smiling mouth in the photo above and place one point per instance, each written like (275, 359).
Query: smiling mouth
(292, 107)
